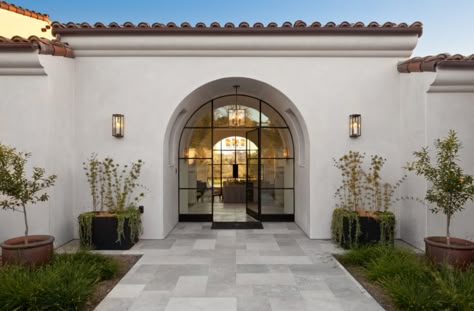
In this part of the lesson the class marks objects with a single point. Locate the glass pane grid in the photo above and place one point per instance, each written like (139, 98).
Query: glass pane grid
(254, 163)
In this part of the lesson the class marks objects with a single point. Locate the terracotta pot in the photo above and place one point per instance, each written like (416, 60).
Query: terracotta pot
(37, 252)
(460, 253)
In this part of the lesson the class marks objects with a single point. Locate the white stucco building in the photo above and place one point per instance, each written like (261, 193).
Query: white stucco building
(299, 82)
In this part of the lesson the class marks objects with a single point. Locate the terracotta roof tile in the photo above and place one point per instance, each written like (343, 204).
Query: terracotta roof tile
(243, 27)
(431, 63)
(43, 45)
(17, 9)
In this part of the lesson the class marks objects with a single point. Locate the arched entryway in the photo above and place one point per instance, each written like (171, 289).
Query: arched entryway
(236, 163)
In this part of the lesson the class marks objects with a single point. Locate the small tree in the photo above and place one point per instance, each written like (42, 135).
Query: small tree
(450, 187)
(16, 189)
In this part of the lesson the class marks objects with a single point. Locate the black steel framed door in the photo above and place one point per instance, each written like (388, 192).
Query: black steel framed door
(253, 176)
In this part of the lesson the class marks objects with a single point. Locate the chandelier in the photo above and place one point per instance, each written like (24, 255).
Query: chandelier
(236, 114)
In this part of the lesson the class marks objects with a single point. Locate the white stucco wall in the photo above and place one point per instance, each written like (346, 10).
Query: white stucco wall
(35, 116)
(323, 90)
(432, 104)
(315, 89)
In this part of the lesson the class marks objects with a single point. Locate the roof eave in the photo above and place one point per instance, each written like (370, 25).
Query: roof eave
(240, 31)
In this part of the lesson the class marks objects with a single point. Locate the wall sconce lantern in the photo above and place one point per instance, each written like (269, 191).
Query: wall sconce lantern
(118, 125)
(355, 125)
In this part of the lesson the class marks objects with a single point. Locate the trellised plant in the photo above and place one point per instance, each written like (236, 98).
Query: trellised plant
(359, 193)
(113, 190)
(450, 187)
(16, 189)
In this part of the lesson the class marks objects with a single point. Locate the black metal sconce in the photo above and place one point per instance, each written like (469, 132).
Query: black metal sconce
(355, 125)
(118, 125)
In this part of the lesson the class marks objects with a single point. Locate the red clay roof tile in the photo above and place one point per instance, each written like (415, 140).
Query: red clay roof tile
(43, 45)
(243, 27)
(17, 9)
(431, 63)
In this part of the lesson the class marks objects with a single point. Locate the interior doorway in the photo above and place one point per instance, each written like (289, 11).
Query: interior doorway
(236, 163)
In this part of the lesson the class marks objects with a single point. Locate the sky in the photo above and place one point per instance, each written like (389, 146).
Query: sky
(447, 26)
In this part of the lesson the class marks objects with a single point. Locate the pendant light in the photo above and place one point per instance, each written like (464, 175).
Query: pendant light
(234, 119)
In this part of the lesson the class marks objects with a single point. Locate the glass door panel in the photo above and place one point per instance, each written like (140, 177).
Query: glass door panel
(253, 174)
(195, 192)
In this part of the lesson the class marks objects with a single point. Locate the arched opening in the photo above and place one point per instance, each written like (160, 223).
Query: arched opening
(236, 163)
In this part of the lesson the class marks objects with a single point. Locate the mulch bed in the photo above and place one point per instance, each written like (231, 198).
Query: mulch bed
(126, 262)
(374, 289)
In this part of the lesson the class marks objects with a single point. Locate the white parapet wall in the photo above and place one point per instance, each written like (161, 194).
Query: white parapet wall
(432, 104)
(63, 115)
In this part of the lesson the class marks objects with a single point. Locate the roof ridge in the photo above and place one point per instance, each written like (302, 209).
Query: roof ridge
(297, 26)
(19, 10)
(430, 63)
(43, 45)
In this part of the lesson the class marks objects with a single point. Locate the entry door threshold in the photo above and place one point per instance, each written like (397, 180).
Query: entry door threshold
(237, 225)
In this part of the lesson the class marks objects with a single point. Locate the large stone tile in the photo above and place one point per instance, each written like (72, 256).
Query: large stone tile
(253, 269)
(253, 304)
(228, 290)
(126, 291)
(321, 300)
(269, 260)
(180, 270)
(320, 269)
(182, 260)
(150, 301)
(156, 244)
(272, 290)
(261, 246)
(191, 286)
(311, 282)
(287, 303)
(115, 304)
(359, 303)
(265, 278)
(163, 281)
(344, 287)
(202, 304)
(277, 268)
(204, 244)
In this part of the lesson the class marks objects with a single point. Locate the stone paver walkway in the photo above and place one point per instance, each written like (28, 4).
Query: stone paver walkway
(277, 268)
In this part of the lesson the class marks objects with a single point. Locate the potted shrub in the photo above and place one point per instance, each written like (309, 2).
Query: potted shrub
(450, 190)
(362, 214)
(17, 192)
(114, 222)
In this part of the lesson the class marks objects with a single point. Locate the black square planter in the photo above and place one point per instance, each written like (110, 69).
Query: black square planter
(105, 237)
(369, 231)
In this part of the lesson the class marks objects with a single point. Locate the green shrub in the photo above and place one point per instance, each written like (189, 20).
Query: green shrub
(415, 291)
(455, 288)
(412, 282)
(394, 262)
(105, 266)
(362, 256)
(65, 284)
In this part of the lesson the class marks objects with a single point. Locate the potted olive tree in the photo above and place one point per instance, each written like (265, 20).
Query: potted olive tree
(17, 192)
(362, 214)
(450, 190)
(114, 222)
